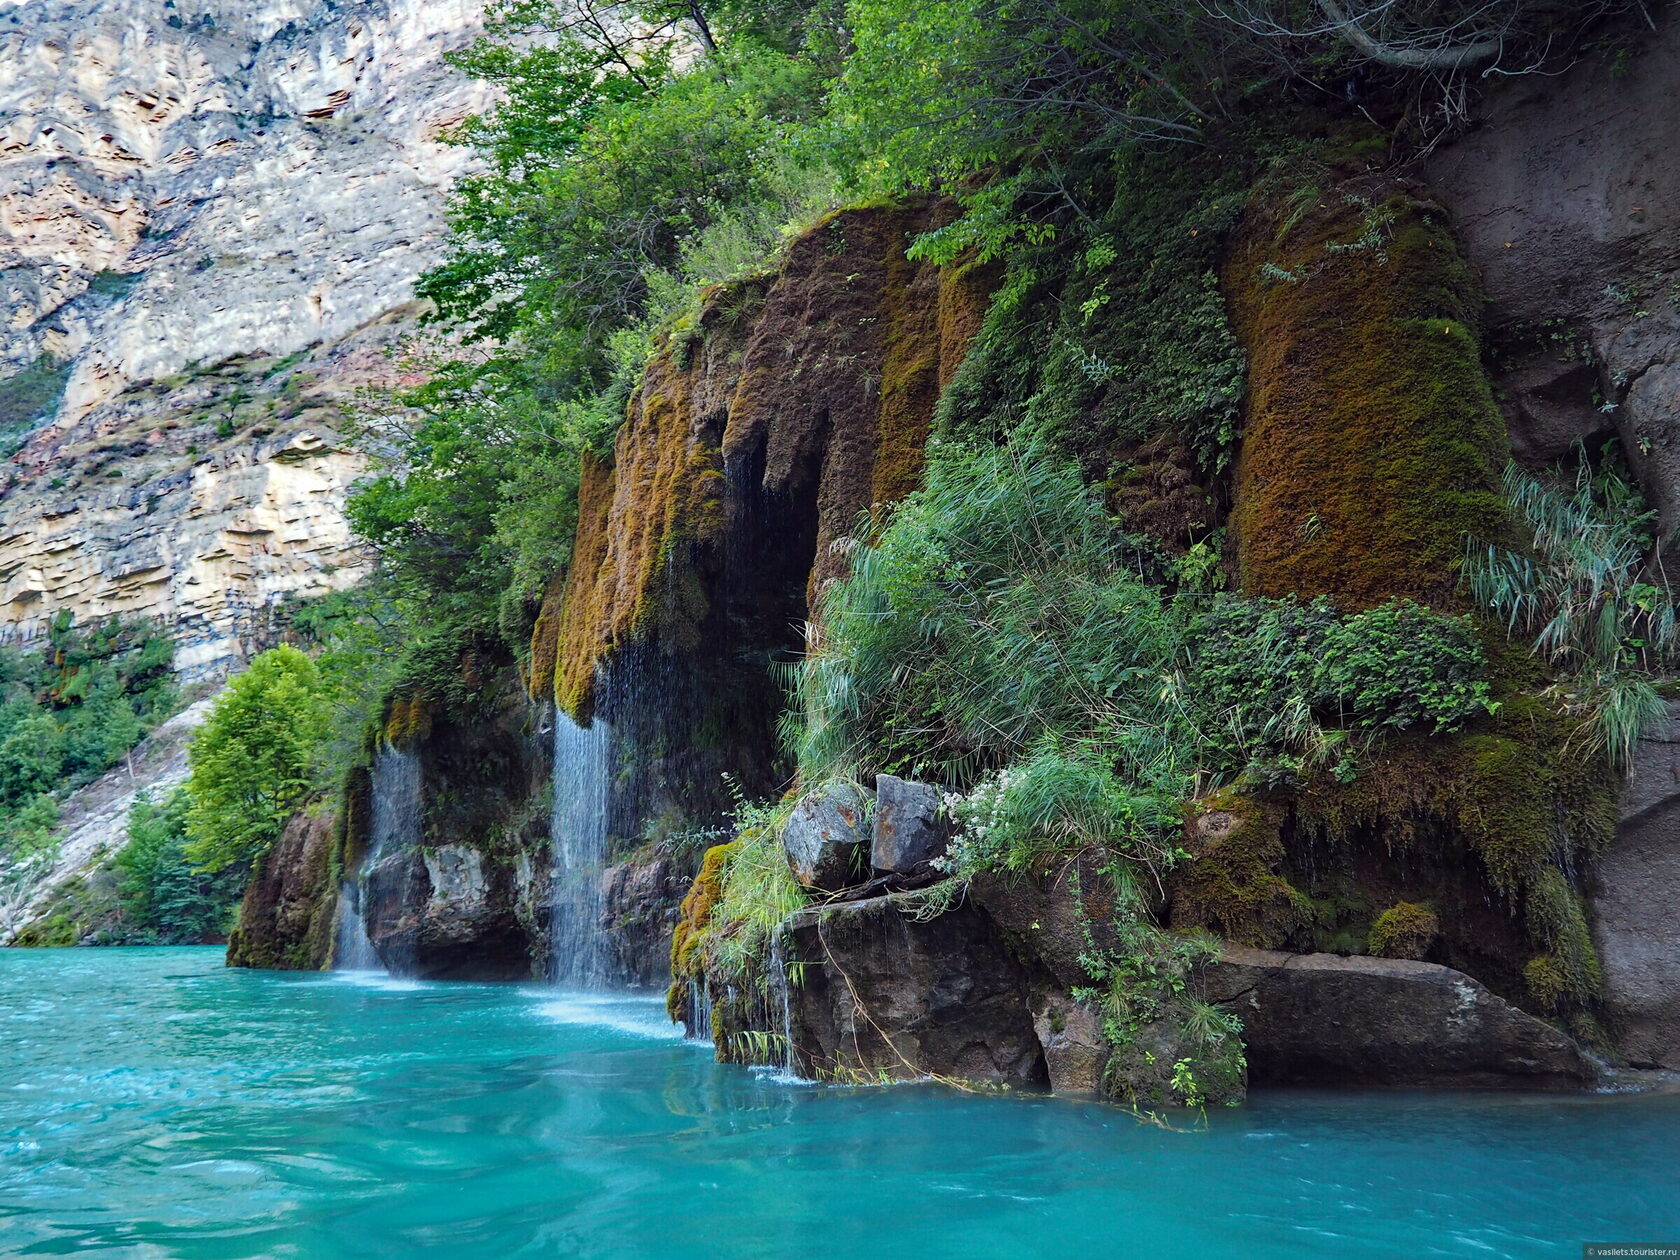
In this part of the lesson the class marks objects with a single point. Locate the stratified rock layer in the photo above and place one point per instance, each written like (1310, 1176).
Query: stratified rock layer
(208, 211)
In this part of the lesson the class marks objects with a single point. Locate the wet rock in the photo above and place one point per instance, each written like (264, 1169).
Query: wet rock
(1635, 886)
(825, 836)
(1323, 1019)
(877, 993)
(1052, 917)
(641, 900)
(910, 825)
(1071, 1036)
(286, 919)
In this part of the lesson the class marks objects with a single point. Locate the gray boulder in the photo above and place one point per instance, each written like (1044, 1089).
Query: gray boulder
(1635, 886)
(910, 827)
(824, 837)
(1071, 1036)
(1323, 1019)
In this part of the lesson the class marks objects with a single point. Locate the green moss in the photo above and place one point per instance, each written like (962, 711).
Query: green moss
(1521, 796)
(688, 939)
(1404, 930)
(1232, 884)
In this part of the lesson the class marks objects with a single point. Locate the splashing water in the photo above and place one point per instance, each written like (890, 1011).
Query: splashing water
(394, 826)
(578, 831)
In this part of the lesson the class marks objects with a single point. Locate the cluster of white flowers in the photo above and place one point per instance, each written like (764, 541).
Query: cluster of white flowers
(979, 814)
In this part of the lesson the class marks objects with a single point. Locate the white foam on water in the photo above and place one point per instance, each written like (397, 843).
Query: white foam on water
(643, 1018)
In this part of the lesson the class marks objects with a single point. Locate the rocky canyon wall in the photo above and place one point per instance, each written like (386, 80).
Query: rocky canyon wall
(211, 218)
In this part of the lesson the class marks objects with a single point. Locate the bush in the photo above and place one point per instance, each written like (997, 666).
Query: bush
(999, 606)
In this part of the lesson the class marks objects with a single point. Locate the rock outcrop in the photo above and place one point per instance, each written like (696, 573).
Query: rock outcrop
(288, 914)
(210, 215)
(1325, 1019)
(1566, 194)
(1636, 886)
(884, 994)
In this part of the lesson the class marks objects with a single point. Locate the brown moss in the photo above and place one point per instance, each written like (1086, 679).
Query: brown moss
(1405, 930)
(1160, 489)
(545, 640)
(809, 395)
(1371, 445)
(1232, 883)
(585, 619)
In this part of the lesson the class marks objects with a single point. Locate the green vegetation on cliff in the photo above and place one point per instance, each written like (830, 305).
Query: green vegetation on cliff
(72, 706)
(1159, 561)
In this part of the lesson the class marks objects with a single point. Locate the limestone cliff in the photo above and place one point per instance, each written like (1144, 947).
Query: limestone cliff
(211, 218)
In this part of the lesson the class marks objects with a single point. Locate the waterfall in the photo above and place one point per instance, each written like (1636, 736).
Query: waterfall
(778, 980)
(578, 831)
(393, 826)
(352, 951)
(699, 1011)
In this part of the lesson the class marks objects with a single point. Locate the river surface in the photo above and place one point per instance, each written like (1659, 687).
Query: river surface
(154, 1104)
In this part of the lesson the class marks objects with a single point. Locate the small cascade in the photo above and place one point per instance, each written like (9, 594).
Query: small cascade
(394, 826)
(578, 833)
(699, 1012)
(782, 1007)
(352, 951)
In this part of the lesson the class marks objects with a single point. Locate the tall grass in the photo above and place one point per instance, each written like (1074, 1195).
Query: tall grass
(1581, 593)
(999, 607)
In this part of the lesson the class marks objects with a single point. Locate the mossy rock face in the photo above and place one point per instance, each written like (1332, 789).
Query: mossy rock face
(688, 940)
(1480, 826)
(1372, 445)
(754, 441)
(1233, 883)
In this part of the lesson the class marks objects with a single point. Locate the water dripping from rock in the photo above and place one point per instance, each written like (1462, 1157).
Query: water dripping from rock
(578, 833)
(393, 828)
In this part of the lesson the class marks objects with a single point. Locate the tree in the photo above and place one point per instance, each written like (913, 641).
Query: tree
(161, 894)
(252, 760)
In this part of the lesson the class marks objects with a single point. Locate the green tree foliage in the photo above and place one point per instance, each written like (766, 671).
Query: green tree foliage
(253, 760)
(165, 899)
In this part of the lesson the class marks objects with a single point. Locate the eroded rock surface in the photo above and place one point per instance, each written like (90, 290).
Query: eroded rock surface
(211, 218)
(881, 993)
(1325, 1019)
(1636, 887)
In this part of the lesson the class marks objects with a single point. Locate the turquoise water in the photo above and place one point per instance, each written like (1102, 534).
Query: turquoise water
(153, 1104)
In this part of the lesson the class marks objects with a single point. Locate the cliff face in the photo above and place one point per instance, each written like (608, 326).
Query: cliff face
(211, 217)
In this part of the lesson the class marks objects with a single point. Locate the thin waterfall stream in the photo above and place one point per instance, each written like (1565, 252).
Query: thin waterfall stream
(578, 833)
(394, 826)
